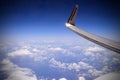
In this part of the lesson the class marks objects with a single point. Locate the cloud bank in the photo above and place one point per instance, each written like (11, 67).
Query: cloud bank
(15, 72)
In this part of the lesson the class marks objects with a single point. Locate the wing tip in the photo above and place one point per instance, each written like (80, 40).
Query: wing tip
(72, 17)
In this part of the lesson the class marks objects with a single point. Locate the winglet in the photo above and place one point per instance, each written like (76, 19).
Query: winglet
(72, 17)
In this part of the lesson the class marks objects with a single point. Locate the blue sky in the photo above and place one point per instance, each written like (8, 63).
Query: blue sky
(46, 18)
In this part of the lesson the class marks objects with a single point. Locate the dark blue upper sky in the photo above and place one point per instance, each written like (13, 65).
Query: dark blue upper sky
(47, 17)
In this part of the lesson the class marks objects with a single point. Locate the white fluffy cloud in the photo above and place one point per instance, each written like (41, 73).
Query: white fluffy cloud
(95, 72)
(20, 52)
(81, 78)
(37, 56)
(61, 51)
(40, 53)
(76, 66)
(55, 63)
(70, 66)
(92, 50)
(53, 79)
(15, 72)
(62, 79)
(95, 49)
(56, 49)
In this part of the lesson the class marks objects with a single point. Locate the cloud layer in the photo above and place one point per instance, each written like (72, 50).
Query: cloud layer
(15, 72)
(84, 60)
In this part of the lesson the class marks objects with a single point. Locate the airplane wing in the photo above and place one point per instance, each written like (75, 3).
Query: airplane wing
(109, 44)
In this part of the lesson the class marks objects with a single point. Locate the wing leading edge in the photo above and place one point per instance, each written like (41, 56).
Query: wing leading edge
(109, 44)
